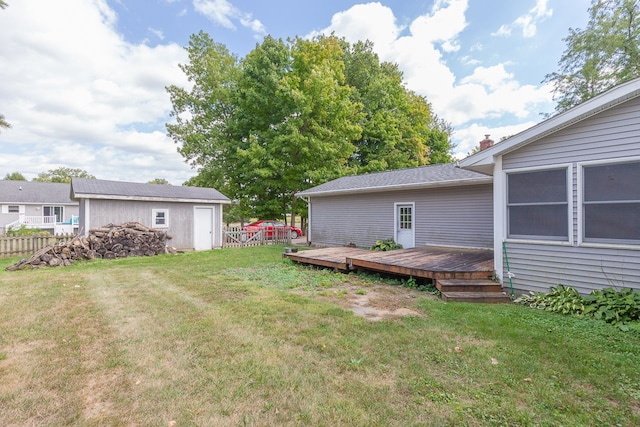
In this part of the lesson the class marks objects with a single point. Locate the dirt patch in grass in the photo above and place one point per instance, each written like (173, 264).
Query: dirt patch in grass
(376, 301)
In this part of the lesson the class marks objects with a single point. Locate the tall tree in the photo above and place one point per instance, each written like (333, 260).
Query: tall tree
(398, 129)
(202, 114)
(604, 54)
(14, 176)
(302, 119)
(294, 114)
(62, 174)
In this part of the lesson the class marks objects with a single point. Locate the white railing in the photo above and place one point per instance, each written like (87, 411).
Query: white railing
(37, 220)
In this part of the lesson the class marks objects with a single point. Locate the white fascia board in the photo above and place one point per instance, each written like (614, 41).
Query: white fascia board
(149, 199)
(397, 187)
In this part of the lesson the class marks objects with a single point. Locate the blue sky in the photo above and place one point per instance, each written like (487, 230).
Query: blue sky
(83, 84)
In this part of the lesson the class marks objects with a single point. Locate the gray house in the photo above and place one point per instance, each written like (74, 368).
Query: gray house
(43, 205)
(439, 205)
(567, 196)
(191, 215)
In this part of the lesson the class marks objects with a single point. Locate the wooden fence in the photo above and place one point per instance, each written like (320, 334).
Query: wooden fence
(237, 237)
(26, 245)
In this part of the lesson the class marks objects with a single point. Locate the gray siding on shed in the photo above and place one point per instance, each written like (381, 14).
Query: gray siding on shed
(447, 216)
(612, 134)
(181, 217)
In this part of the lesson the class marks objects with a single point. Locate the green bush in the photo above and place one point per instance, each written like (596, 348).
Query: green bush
(615, 307)
(612, 306)
(24, 231)
(386, 245)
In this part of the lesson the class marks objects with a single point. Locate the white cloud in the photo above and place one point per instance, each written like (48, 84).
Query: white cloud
(81, 96)
(469, 137)
(490, 92)
(224, 13)
(157, 33)
(527, 22)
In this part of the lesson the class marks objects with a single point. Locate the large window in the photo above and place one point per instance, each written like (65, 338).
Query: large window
(611, 203)
(537, 205)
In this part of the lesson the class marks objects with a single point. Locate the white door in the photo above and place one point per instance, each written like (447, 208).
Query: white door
(203, 229)
(405, 234)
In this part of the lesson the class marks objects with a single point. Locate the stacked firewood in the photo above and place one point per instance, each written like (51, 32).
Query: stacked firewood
(110, 241)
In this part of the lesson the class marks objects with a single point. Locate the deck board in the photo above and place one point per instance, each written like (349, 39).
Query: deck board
(425, 261)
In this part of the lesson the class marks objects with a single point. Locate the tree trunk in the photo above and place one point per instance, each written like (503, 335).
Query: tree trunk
(294, 198)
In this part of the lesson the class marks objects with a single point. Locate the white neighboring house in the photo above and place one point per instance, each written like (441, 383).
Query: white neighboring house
(43, 205)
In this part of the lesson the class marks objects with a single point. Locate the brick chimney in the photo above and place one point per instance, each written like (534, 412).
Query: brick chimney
(486, 143)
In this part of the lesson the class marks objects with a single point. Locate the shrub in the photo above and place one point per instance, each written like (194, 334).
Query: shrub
(24, 231)
(386, 245)
(615, 307)
(612, 306)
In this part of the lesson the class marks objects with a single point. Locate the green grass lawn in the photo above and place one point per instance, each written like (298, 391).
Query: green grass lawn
(241, 337)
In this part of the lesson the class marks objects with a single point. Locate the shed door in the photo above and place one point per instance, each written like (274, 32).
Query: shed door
(404, 226)
(203, 229)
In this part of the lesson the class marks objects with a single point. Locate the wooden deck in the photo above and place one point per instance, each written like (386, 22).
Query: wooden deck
(425, 262)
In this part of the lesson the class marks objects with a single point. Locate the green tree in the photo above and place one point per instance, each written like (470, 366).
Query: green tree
(3, 4)
(4, 123)
(202, 114)
(604, 54)
(398, 129)
(14, 176)
(62, 174)
(160, 181)
(303, 120)
(294, 114)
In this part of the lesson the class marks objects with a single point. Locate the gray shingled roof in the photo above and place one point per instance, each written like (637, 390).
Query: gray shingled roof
(29, 192)
(421, 177)
(102, 189)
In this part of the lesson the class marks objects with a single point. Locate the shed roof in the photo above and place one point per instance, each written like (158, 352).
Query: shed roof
(29, 192)
(440, 175)
(84, 188)
(484, 160)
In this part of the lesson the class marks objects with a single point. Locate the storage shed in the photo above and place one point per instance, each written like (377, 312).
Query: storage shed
(191, 215)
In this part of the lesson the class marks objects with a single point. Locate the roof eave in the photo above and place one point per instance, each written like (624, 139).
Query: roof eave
(415, 186)
(148, 198)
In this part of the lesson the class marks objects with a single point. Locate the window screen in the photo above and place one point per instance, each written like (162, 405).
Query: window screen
(537, 206)
(611, 205)
(13, 209)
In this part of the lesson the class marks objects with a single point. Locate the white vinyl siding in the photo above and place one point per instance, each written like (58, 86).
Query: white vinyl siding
(606, 137)
(448, 216)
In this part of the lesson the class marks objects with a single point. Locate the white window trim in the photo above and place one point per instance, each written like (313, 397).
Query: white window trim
(505, 207)
(580, 189)
(154, 212)
(5, 209)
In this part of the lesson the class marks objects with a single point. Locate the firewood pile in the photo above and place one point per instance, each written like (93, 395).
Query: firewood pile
(108, 242)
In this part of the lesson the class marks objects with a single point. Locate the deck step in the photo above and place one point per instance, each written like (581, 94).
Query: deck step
(461, 285)
(486, 297)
